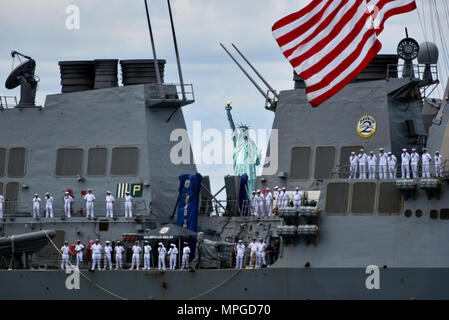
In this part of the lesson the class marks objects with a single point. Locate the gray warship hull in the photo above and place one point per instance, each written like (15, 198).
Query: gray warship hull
(255, 284)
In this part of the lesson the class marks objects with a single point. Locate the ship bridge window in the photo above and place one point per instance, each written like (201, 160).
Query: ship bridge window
(390, 199)
(16, 162)
(69, 162)
(345, 153)
(124, 161)
(363, 198)
(300, 162)
(2, 161)
(324, 162)
(97, 159)
(337, 195)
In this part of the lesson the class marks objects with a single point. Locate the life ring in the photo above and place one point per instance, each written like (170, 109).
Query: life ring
(72, 251)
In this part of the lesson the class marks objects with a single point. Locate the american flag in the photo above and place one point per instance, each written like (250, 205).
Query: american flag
(329, 42)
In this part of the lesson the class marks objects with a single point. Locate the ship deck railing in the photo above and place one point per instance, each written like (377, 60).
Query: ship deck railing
(396, 71)
(7, 102)
(17, 209)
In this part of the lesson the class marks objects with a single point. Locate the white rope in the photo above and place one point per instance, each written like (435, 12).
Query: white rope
(82, 274)
(217, 286)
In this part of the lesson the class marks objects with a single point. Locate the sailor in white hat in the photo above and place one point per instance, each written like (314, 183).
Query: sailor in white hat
(48, 206)
(438, 164)
(405, 164)
(353, 162)
(67, 204)
(89, 198)
(161, 256)
(146, 255)
(297, 198)
(107, 255)
(362, 160)
(261, 209)
(253, 249)
(135, 259)
(240, 253)
(118, 255)
(269, 201)
(285, 198)
(79, 252)
(372, 160)
(96, 254)
(173, 252)
(256, 203)
(128, 205)
(391, 163)
(260, 258)
(414, 159)
(109, 205)
(382, 164)
(277, 195)
(36, 205)
(426, 158)
(65, 255)
(185, 256)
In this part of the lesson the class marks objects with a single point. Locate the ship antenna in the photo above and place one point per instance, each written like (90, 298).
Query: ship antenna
(156, 65)
(256, 72)
(175, 43)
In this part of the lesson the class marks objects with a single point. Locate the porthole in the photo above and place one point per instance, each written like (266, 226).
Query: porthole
(433, 214)
(418, 213)
(408, 213)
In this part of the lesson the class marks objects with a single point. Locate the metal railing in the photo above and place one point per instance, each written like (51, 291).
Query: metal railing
(8, 102)
(396, 70)
(13, 209)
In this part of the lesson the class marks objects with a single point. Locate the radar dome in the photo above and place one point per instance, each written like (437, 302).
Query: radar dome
(428, 53)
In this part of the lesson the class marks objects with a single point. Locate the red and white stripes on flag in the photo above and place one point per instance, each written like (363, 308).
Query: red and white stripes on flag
(330, 42)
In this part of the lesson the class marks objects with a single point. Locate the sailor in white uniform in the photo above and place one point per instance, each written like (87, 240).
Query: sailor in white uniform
(276, 196)
(240, 255)
(128, 205)
(260, 258)
(253, 249)
(119, 255)
(109, 205)
(96, 255)
(161, 256)
(438, 166)
(405, 164)
(2, 204)
(297, 198)
(135, 260)
(107, 255)
(362, 159)
(269, 202)
(280, 199)
(48, 206)
(382, 164)
(372, 160)
(89, 198)
(391, 162)
(67, 204)
(79, 253)
(353, 162)
(185, 256)
(146, 256)
(36, 205)
(414, 159)
(256, 204)
(173, 252)
(285, 198)
(261, 209)
(426, 158)
(65, 255)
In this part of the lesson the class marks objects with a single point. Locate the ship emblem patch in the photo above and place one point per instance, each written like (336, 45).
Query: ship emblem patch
(164, 230)
(366, 126)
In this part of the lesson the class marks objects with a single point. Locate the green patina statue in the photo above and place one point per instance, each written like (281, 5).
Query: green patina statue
(246, 154)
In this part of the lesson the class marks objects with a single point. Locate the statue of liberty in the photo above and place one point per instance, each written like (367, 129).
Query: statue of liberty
(246, 154)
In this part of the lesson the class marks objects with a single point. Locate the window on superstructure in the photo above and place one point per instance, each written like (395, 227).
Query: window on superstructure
(11, 197)
(345, 153)
(124, 161)
(300, 162)
(390, 199)
(16, 162)
(96, 162)
(69, 162)
(324, 162)
(2, 161)
(337, 195)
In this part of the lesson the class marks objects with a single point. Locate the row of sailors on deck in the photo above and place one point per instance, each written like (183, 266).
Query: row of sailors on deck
(89, 198)
(262, 204)
(97, 250)
(387, 164)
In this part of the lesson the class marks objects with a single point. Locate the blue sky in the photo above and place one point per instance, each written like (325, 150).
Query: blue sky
(118, 29)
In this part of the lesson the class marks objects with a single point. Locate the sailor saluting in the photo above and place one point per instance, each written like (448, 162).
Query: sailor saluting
(36, 205)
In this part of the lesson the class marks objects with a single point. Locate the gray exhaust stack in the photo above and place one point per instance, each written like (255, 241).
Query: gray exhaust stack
(77, 75)
(138, 71)
(105, 73)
